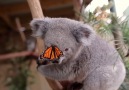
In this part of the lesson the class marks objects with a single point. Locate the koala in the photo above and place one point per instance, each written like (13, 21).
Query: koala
(87, 59)
(31, 43)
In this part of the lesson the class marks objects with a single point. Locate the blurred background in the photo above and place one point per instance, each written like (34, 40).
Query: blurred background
(110, 19)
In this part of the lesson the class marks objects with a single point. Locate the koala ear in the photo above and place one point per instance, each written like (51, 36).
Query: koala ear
(84, 34)
(39, 27)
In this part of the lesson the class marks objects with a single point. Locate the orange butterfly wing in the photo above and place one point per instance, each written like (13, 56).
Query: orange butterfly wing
(58, 52)
(51, 53)
(47, 53)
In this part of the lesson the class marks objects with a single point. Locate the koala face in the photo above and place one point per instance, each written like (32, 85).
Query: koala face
(64, 33)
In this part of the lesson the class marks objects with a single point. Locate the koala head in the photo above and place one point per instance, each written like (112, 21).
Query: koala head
(65, 33)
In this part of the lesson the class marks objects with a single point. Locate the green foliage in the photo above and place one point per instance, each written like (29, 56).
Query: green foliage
(127, 67)
(104, 23)
(17, 76)
(125, 31)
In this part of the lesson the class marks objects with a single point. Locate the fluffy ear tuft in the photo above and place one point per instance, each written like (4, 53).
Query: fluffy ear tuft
(35, 23)
(38, 27)
(84, 34)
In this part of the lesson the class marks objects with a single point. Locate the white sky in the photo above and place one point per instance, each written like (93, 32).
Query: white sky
(121, 5)
(96, 3)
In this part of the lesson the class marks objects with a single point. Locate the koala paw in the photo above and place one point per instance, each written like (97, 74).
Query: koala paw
(76, 86)
(42, 62)
(46, 62)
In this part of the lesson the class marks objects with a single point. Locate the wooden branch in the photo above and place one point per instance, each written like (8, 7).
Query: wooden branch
(77, 8)
(23, 7)
(7, 20)
(118, 36)
(19, 27)
(60, 12)
(86, 3)
(37, 13)
(16, 54)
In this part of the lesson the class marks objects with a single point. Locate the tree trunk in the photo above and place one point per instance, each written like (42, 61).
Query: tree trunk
(118, 37)
(37, 13)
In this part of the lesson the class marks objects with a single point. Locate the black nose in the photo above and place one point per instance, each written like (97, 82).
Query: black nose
(55, 61)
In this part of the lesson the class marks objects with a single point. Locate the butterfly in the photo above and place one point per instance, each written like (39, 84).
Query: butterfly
(51, 53)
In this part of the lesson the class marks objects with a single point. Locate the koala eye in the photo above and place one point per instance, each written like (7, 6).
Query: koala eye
(66, 49)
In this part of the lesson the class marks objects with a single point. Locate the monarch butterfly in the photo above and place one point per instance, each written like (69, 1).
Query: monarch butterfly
(51, 53)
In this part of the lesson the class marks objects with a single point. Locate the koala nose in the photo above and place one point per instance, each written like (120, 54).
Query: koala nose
(57, 42)
(66, 49)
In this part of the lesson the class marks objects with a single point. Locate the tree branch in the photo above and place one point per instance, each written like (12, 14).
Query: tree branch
(36, 11)
(16, 54)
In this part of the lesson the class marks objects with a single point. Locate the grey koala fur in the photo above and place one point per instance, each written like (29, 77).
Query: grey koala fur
(88, 58)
